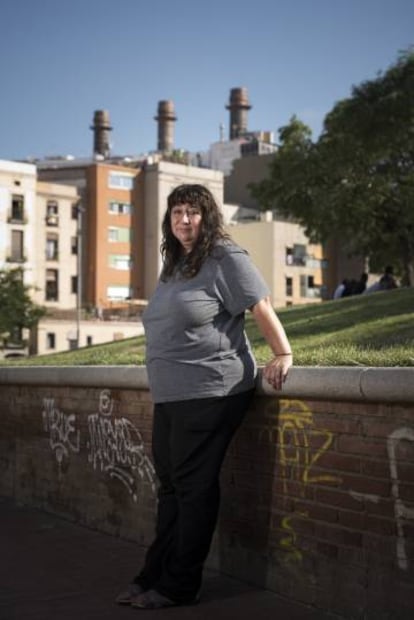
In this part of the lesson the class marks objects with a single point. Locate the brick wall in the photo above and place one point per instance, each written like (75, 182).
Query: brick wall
(317, 495)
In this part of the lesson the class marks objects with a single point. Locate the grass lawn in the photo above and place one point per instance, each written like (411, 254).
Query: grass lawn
(367, 330)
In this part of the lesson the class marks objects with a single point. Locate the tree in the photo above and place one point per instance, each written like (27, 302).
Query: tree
(357, 181)
(288, 189)
(17, 311)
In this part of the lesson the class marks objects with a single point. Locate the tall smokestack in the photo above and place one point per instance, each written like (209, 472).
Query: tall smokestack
(101, 128)
(166, 119)
(238, 106)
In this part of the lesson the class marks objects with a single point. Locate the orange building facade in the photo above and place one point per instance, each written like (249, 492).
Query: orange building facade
(112, 231)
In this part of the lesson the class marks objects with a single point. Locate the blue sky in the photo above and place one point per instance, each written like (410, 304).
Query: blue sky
(62, 60)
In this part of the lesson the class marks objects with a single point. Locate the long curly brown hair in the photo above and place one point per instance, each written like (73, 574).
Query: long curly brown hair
(211, 229)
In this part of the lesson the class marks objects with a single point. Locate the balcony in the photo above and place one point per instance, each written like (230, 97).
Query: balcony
(306, 261)
(52, 255)
(17, 220)
(315, 292)
(52, 220)
(16, 259)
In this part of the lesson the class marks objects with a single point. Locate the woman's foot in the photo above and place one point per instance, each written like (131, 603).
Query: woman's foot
(151, 599)
(125, 597)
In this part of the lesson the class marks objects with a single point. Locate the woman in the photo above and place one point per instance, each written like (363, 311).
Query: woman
(201, 374)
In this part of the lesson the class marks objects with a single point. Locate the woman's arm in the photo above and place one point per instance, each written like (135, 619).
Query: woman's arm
(275, 371)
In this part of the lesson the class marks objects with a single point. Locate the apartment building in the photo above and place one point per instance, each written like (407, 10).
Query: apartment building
(18, 222)
(113, 214)
(56, 247)
(293, 268)
(38, 232)
(122, 207)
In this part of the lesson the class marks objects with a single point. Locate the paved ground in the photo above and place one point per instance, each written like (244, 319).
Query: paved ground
(53, 569)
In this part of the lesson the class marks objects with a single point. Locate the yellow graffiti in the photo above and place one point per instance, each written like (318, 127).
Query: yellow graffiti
(296, 421)
(295, 432)
(289, 541)
(290, 424)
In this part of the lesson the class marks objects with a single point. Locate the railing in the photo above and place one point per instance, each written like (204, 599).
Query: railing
(306, 261)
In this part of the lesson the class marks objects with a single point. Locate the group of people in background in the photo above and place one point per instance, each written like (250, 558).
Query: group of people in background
(350, 287)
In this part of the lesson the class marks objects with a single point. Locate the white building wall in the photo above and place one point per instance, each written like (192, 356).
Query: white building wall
(90, 333)
(160, 179)
(267, 243)
(222, 155)
(66, 263)
(18, 179)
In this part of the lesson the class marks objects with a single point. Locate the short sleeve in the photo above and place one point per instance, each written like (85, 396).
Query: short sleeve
(239, 283)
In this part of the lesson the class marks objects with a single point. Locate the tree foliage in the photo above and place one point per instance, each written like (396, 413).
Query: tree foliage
(357, 181)
(17, 310)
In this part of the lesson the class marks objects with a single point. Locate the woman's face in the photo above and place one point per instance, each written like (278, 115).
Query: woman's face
(185, 225)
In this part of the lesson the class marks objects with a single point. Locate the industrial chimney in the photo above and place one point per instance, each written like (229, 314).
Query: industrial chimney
(101, 128)
(238, 106)
(166, 119)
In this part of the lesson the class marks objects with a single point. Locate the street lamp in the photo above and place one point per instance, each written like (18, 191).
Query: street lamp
(80, 211)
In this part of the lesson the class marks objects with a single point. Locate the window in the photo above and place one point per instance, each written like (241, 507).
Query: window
(120, 180)
(120, 208)
(299, 254)
(73, 344)
(89, 341)
(17, 210)
(120, 261)
(289, 286)
(308, 288)
(74, 212)
(296, 255)
(52, 285)
(289, 256)
(52, 213)
(50, 340)
(122, 235)
(17, 243)
(74, 284)
(118, 292)
(303, 287)
(74, 245)
(52, 246)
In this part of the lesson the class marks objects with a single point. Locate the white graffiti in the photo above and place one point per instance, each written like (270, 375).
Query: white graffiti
(117, 448)
(360, 497)
(402, 512)
(63, 437)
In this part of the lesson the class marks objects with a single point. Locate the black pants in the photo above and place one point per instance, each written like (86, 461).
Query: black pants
(190, 439)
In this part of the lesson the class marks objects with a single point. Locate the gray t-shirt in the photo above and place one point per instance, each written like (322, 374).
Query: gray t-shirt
(196, 344)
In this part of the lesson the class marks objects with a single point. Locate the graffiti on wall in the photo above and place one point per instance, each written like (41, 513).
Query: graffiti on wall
(296, 432)
(301, 448)
(115, 446)
(402, 512)
(290, 424)
(63, 436)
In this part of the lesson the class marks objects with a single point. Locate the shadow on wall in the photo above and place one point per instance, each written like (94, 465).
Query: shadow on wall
(243, 541)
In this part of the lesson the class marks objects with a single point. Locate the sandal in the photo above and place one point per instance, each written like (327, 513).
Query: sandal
(151, 599)
(125, 597)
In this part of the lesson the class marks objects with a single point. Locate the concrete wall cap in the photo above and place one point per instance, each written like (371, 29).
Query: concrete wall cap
(313, 383)
(347, 383)
(127, 377)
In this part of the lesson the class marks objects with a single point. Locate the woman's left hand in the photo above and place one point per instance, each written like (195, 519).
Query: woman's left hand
(276, 371)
